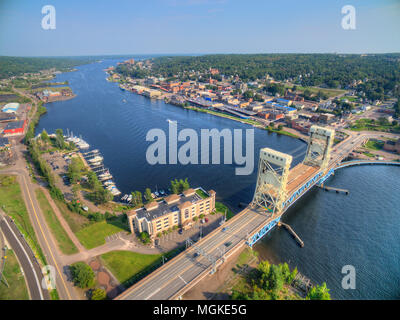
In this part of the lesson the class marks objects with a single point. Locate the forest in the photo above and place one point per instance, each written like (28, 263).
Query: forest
(15, 66)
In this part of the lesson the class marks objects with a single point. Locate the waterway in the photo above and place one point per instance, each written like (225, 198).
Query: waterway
(360, 229)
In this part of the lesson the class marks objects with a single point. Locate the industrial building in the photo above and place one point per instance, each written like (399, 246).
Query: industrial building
(174, 210)
(14, 128)
(11, 107)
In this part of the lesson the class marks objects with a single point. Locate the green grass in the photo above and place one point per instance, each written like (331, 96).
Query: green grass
(202, 194)
(282, 132)
(374, 145)
(54, 295)
(368, 154)
(15, 279)
(125, 265)
(245, 257)
(220, 207)
(94, 235)
(329, 92)
(12, 203)
(371, 125)
(63, 240)
(75, 221)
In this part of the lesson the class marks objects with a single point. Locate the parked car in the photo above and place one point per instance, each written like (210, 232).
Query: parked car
(227, 244)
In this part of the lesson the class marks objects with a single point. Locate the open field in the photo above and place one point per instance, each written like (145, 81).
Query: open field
(15, 279)
(329, 92)
(64, 242)
(94, 235)
(13, 205)
(124, 265)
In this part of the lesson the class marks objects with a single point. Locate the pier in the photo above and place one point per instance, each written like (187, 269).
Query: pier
(338, 190)
(294, 234)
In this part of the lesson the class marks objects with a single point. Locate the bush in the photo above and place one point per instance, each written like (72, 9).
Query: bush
(98, 294)
(82, 275)
(144, 237)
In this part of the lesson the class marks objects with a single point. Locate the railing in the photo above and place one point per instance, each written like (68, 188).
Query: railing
(366, 162)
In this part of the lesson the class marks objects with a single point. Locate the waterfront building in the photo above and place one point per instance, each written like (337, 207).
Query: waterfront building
(11, 107)
(174, 210)
(14, 128)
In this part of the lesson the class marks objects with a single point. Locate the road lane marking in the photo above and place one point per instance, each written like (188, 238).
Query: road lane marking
(179, 276)
(30, 263)
(45, 239)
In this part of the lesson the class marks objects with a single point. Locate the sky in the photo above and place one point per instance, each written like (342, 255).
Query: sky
(100, 27)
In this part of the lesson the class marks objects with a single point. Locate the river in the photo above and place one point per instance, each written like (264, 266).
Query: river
(360, 229)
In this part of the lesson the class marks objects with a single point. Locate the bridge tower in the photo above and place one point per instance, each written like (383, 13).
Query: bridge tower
(319, 147)
(273, 170)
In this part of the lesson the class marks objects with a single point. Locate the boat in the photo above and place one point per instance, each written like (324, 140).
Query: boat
(156, 193)
(95, 159)
(124, 197)
(162, 192)
(153, 195)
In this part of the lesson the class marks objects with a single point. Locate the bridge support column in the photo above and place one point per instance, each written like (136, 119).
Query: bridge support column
(273, 170)
(319, 147)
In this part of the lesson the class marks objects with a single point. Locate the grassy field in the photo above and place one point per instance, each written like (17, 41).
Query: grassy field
(75, 221)
(126, 264)
(220, 207)
(329, 92)
(94, 235)
(371, 125)
(282, 132)
(63, 240)
(12, 204)
(15, 279)
(374, 145)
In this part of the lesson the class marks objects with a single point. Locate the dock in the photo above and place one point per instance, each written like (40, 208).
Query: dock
(294, 234)
(337, 190)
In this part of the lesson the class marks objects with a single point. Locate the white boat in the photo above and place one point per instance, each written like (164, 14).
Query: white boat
(108, 182)
(124, 197)
(156, 193)
(95, 159)
(129, 198)
(105, 178)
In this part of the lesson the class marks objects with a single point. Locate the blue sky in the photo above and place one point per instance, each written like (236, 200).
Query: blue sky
(98, 27)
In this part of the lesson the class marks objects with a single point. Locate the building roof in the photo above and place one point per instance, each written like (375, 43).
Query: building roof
(14, 125)
(11, 107)
(172, 198)
(164, 207)
(189, 192)
(4, 142)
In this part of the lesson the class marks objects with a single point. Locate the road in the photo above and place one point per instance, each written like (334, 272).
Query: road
(26, 258)
(185, 270)
(46, 240)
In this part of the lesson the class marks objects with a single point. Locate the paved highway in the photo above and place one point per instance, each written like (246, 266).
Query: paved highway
(26, 258)
(185, 270)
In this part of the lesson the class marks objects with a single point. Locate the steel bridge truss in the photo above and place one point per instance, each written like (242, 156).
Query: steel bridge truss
(263, 231)
(273, 170)
(319, 147)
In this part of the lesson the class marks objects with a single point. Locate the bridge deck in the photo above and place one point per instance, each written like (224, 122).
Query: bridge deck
(298, 176)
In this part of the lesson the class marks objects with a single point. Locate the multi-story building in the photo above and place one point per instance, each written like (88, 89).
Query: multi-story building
(174, 210)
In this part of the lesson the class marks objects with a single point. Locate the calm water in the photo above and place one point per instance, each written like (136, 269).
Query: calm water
(360, 229)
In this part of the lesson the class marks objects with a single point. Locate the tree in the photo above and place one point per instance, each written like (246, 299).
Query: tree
(275, 281)
(147, 194)
(144, 237)
(137, 199)
(82, 275)
(60, 143)
(75, 170)
(44, 136)
(319, 293)
(98, 294)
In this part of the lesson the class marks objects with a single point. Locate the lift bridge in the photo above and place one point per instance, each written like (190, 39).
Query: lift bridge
(279, 186)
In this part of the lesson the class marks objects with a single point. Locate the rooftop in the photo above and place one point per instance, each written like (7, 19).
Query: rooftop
(158, 209)
(14, 125)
